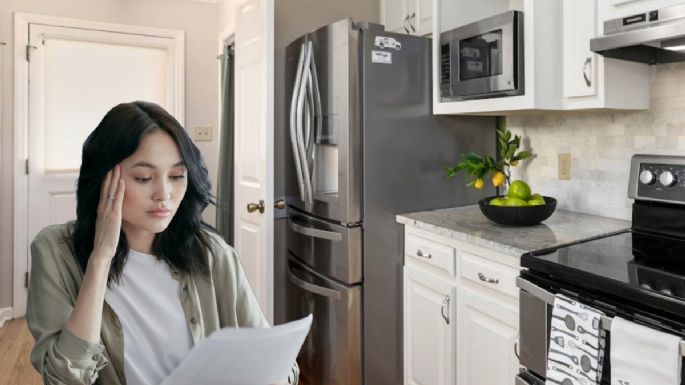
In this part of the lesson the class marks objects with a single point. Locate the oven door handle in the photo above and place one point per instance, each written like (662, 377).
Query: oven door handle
(548, 298)
(312, 288)
(314, 232)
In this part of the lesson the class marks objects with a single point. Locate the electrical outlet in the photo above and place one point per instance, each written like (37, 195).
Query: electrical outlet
(202, 134)
(564, 166)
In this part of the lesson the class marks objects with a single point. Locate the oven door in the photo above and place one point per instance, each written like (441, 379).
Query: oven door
(535, 312)
(486, 57)
(332, 352)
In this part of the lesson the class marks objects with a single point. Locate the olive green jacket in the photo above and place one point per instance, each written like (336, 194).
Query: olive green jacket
(62, 358)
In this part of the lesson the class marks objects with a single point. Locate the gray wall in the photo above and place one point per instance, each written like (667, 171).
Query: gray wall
(294, 18)
(199, 21)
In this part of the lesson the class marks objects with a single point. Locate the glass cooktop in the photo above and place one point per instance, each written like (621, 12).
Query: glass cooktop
(635, 266)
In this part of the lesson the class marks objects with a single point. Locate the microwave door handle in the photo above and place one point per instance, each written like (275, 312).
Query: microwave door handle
(312, 288)
(313, 232)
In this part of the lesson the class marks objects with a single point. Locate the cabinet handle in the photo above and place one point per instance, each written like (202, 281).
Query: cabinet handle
(411, 25)
(405, 24)
(588, 64)
(516, 346)
(420, 254)
(483, 278)
(445, 303)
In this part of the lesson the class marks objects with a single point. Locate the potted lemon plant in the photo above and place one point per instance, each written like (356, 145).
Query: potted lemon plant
(517, 193)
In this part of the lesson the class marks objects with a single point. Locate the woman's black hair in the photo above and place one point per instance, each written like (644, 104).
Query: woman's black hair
(183, 244)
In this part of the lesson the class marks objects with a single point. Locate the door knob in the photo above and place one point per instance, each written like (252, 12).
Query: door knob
(252, 207)
(280, 204)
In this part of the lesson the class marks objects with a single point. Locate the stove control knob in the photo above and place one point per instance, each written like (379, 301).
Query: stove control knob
(667, 179)
(647, 177)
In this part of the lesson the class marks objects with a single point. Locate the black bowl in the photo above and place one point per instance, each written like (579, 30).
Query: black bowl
(518, 216)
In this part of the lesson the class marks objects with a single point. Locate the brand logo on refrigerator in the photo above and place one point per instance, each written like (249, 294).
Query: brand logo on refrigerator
(383, 42)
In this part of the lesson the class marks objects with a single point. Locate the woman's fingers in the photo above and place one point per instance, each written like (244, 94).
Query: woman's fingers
(114, 185)
(119, 198)
(104, 191)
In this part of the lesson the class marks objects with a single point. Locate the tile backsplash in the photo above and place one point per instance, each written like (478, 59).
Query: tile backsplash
(601, 144)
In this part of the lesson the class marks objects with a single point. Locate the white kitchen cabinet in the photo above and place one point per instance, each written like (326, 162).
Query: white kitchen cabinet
(486, 338)
(429, 329)
(414, 17)
(590, 80)
(476, 287)
(611, 9)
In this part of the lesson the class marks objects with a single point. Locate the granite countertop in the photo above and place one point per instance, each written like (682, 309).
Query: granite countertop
(468, 224)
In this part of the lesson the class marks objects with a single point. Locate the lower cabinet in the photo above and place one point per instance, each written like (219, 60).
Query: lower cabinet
(460, 313)
(429, 329)
(486, 338)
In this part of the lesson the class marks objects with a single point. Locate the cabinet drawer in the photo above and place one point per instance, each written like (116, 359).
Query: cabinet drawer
(488, 274)
(435, 254)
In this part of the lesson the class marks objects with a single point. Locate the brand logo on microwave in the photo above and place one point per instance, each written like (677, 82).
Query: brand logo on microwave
(387, 42)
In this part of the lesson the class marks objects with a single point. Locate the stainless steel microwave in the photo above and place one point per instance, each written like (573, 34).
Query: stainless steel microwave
(483, 59)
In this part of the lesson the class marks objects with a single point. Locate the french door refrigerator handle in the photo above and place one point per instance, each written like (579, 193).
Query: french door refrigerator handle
(548, 298)
(312, 288)
(312, 232)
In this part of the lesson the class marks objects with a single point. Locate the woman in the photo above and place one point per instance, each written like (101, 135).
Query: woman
(123, 293)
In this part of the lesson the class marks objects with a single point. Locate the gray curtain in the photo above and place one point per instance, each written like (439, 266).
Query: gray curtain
(225, 182)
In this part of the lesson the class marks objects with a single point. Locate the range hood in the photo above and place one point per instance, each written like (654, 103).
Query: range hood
(652, 37)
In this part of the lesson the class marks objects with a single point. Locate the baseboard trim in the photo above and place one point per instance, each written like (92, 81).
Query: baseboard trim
(5, 315)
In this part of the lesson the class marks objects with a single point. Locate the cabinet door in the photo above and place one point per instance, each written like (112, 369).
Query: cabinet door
(394, 15)
(422, 20)
(580, 64)
(487, 332)
(429, 329)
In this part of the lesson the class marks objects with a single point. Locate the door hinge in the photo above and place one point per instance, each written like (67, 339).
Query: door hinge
(28, 51)
(26, 280)
(26, 168)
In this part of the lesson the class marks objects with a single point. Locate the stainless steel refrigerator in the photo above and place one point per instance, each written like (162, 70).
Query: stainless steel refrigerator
(362, 147)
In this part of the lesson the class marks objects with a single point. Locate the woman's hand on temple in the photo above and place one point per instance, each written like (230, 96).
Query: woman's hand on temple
(108, 223)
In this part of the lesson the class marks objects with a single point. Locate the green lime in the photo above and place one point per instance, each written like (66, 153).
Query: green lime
(519, 189)
(515, 202)
(499, 201)
(536, 202)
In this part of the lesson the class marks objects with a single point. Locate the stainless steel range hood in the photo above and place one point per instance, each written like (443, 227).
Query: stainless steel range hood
(652, 37)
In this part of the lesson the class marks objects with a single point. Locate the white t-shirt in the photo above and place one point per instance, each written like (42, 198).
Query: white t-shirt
(156, 333)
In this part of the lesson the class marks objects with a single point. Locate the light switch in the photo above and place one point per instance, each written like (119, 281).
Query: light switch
(202, 134)
(564, 166)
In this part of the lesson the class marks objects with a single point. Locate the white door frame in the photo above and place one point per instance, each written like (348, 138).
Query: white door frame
(21, 110)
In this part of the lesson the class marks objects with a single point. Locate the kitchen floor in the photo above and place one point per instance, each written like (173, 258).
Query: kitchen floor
(16, 343)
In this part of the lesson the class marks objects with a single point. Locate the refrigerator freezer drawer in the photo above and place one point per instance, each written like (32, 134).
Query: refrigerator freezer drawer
(331, 249)
(331, 353)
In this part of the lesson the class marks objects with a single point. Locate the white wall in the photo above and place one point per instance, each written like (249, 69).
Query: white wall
(601, 144)
(200, 22)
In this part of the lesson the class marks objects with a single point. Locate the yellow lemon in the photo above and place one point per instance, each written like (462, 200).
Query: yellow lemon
(478, 184)
(519, 189)
(498, 179)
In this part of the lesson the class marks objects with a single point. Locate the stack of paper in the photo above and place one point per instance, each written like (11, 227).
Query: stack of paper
(247, 356)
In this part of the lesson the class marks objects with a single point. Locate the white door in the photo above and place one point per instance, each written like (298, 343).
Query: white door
(429, 329)
(423, 20)
(75, 75)
(488, 329)
(254, 145)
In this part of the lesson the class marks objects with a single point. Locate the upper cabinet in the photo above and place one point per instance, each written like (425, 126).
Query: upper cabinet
(414, 17)
(557, 70)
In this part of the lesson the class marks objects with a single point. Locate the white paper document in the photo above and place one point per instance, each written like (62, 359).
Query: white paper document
(243, 356)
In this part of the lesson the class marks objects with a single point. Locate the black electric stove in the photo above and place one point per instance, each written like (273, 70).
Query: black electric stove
(645, 264)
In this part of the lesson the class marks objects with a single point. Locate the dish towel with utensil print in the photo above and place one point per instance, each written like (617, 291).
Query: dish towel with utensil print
(576, 344)
(643, 356)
